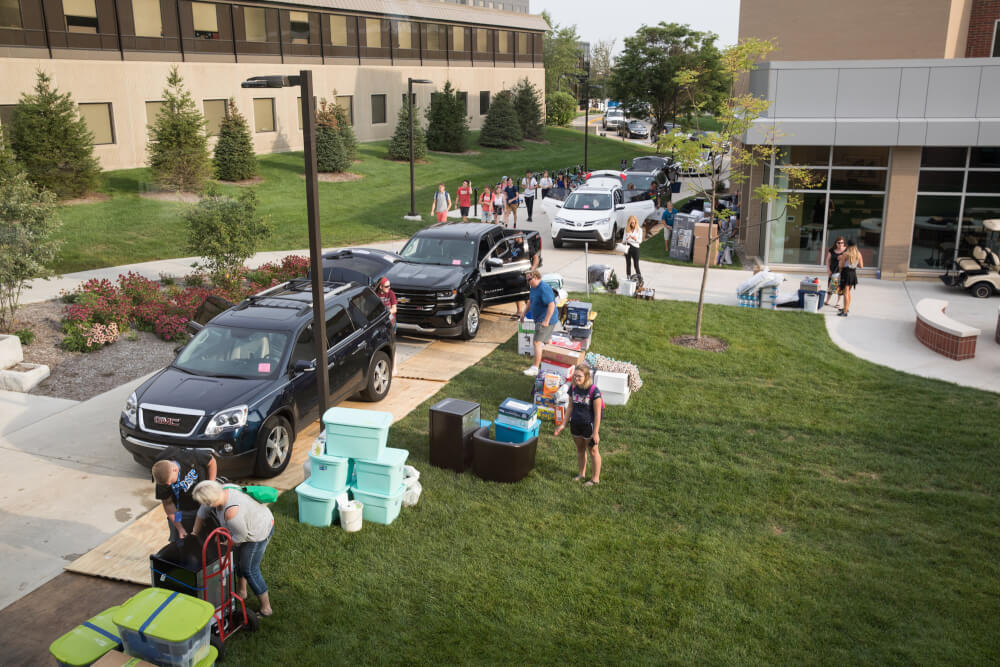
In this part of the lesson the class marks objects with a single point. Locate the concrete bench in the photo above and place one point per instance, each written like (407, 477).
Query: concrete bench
(943, 334)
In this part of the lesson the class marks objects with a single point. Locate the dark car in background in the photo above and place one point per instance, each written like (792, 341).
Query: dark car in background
(246, 383)
(639, 184)
(364, 266)
(634, 129)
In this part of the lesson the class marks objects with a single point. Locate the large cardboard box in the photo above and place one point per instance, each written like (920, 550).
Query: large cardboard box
(562, 355)
(700, 240)
(525, 342)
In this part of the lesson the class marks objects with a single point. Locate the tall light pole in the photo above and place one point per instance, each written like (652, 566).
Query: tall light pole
(304, 82)
(585, 82)
(409, 104)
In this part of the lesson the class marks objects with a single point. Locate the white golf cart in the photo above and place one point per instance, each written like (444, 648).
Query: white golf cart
(980, 273)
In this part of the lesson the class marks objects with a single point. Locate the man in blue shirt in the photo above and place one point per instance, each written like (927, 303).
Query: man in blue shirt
(511, 196)
(542, 306)
(668, 224)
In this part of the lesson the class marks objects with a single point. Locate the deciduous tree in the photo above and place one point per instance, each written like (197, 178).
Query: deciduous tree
(225, 231)
(560, 53)
(560, 108)
(53, 142)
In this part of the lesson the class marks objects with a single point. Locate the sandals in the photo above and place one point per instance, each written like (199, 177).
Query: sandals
(578, 478)
(591, 482)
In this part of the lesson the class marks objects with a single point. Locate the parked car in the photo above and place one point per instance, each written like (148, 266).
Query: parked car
(633, 129)
(650, 163)
(364, 266)
(604, 178)
(638, 184)
(612, 118)
(698, 204)
(246, 383)
(595, 214)
(449, 272)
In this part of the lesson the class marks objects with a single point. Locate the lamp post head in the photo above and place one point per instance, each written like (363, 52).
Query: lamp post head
(272, 81)
(419, 81)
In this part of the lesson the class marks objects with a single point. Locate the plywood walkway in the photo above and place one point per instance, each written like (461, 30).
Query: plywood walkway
(125, 556)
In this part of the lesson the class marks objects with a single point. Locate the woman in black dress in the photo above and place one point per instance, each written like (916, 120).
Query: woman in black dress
(832, 267)
(850, 262)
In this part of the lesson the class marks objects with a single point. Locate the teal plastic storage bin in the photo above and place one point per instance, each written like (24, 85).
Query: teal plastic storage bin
(328, 473)
(356, 434)
(379, 507)
(316, 506)
(381, 476)
(515, 434)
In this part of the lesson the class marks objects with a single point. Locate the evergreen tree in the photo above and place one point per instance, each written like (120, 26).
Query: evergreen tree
(235, 159)
(343, 121)
(399, 146)
(448, 126)
(331, 153)
(178, 147)
(52, 141)
(529, 109)
(501, 128)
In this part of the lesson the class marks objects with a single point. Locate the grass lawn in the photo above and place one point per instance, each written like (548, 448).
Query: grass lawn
(128, 229)
(652, 250)
(782, 502)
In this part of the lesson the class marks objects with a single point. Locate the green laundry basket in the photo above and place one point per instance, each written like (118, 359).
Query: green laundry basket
(165, 627)
(87, 642)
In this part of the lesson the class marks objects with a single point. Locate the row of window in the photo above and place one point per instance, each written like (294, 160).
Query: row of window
(99, 116)
(261, 25)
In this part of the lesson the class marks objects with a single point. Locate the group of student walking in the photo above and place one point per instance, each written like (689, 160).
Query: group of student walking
(497, 204)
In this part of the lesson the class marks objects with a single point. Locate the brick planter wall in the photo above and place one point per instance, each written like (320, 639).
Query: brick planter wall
(948, 344)
(982, 20)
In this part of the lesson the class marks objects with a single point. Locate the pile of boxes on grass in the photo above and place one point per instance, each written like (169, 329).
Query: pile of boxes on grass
(350, 460)
(155, 626)
(761, 291)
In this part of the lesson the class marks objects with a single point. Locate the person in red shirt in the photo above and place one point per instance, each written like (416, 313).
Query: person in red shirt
(384, 292)
(465, 200)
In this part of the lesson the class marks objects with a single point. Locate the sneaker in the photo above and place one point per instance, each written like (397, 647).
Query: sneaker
(531, 371)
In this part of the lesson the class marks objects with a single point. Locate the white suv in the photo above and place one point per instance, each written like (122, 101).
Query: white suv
(613, 118)
(594, 214)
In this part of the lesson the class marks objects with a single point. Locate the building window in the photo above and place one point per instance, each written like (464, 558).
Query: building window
(482, 43)
(522, 44)
(995, 50)
(346, 101)
(373, 33)
(458, 39)
(404, 35)
(414, 97)
(6, 114)
(146, 18)
(338, 30)
(152, 111)
(215, 112)
(849, 202)
(255, 24)
(484, 102)
(435, 38)
(263, 114)
(206, 20)
(98, 119)
(378, 109)
(464, 99)
(957, 190)
(81, 16)
(503, 41)
(10, 14)
(298, 25)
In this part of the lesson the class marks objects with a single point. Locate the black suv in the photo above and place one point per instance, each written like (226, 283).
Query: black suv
(449, 272)
(245, 384)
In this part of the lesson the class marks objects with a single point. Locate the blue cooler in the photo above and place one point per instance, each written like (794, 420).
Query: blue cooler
(507, 420)
(515, 434)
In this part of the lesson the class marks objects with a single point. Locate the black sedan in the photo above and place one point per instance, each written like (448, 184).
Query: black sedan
(634, 129)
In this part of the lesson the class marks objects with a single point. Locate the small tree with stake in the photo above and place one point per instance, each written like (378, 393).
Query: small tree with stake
(735, 115)
(235, 159)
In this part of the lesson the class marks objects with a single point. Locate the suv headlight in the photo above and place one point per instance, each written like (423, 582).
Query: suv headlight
(562, 221)
(446, 294)
(229, 418)
(131, 410)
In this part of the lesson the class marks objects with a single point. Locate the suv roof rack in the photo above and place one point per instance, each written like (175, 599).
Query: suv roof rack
(299, 285)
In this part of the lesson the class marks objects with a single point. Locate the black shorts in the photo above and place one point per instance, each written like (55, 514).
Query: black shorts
(464, 210)
(582, 430)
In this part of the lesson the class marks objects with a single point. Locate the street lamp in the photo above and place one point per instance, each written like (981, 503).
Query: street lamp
(304, 82)
(584, 79)
(409, 101)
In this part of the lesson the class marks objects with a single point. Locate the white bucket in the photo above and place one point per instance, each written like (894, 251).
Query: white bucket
(350, 516)
(628, 288)
(810, 303)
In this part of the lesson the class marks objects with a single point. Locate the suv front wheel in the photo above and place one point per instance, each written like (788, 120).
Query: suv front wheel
(274, 446)
(379, 378)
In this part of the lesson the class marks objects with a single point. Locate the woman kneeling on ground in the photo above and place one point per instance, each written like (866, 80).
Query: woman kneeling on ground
(251, 525)
(585, 408)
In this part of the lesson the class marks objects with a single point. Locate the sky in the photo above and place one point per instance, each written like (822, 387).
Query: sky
(617, 19)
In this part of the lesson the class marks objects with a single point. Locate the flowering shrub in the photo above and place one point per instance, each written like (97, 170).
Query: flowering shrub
(99, 311)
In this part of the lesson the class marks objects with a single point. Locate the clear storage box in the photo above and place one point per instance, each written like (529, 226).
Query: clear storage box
(165, 627)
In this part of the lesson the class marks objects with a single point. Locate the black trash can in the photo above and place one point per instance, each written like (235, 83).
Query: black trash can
(453, 422)
(177, 567)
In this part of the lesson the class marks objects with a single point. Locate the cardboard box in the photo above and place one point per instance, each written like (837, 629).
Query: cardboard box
(560, 369)
(526, 343)
(561, 355)
(700, 244)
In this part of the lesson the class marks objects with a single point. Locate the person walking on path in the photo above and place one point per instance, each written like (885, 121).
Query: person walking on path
(464, 199)
(176, 471)
(850, 262)
(585, 410)
(633, 239)
(251, 525)
(486, 204)
(442, 204)
(838, 248)
(668, 224)
(529, 186)
(542, 306)
(545, 184)
(510, 200)
(498, 204)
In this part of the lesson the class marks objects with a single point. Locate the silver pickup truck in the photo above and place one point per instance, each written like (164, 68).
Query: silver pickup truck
(613, 118)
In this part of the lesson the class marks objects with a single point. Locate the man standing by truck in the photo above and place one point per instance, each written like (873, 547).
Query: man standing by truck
(177, 471)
